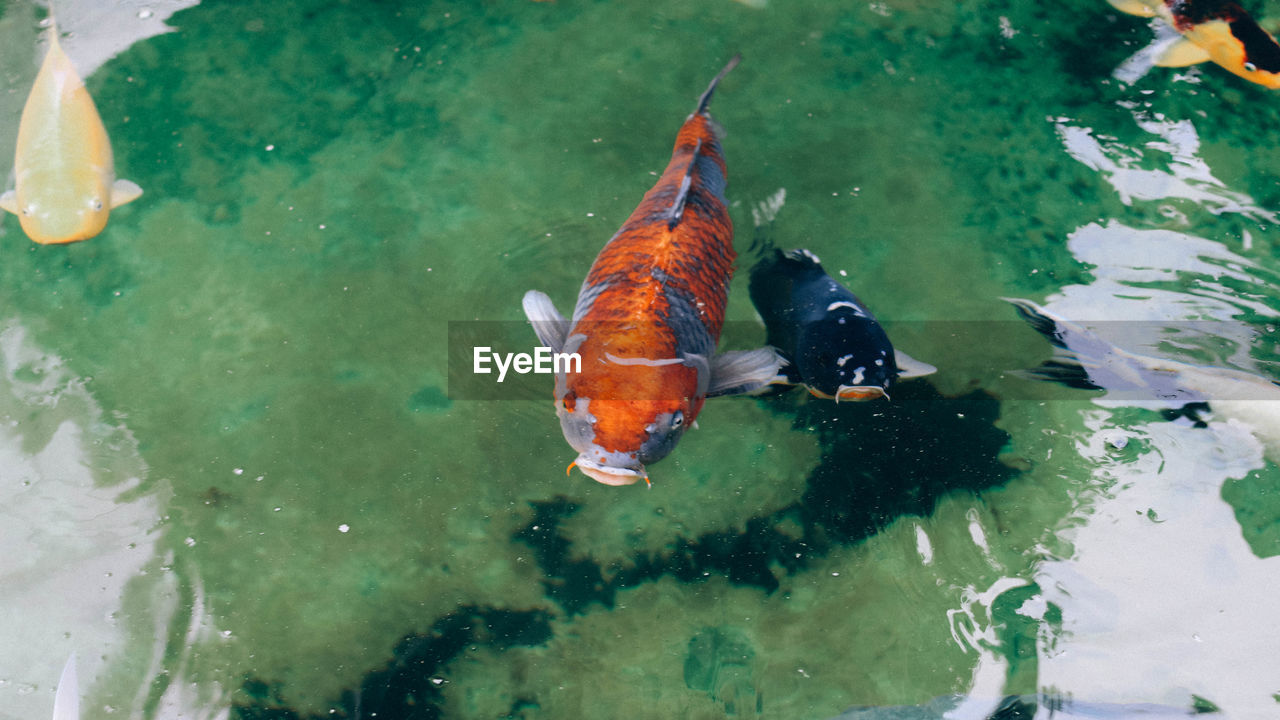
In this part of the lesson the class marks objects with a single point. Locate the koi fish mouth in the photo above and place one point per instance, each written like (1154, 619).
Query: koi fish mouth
(608, 474)
(852, 392)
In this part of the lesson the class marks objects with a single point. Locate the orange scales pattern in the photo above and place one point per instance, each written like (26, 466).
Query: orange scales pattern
(637, 272)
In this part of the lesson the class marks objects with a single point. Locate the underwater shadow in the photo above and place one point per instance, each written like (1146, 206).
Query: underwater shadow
(409, 687)
(880, 461)
(883, 460)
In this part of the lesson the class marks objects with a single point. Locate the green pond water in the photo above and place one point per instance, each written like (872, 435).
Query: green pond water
(238, 481)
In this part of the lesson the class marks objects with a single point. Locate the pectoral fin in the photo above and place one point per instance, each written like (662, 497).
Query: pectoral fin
(909, 367)
(1181, 54)
(124, 191)
(549, 325)
(1133, 7)
(743, 371)
(9, 201)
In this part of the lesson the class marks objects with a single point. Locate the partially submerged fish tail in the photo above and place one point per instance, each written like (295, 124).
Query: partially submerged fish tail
(1066, 367)
(705, 100)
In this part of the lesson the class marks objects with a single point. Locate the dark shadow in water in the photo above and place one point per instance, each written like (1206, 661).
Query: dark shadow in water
(576, 582)
(408, 688)
(880, 461)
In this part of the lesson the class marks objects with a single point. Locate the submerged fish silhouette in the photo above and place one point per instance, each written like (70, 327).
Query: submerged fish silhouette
(1216, 30)
(1086, 360)
(649, 316)
(65, 185)
(831, 342)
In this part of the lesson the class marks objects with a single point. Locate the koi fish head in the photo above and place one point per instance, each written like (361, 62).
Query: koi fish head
(63, 212)
(1244, 48)
(845, 355)
(616, 437)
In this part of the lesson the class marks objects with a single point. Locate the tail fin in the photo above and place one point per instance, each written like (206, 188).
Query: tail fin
(1066, 367)
(705, 100)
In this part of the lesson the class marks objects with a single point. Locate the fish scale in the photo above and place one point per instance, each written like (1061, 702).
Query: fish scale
(641, 268)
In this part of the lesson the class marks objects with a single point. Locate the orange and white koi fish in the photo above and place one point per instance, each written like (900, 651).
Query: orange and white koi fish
(649, 316)
(65, 184)
(1216, 30)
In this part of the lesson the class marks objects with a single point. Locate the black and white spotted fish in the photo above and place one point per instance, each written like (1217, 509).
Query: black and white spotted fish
(831, 342)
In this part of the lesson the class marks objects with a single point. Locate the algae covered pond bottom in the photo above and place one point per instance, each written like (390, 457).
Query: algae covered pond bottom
(239, 478)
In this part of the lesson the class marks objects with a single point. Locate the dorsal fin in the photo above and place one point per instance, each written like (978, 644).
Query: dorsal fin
(677, 207)
(705, 100)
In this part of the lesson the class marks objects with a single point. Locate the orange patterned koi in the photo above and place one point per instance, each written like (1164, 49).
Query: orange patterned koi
(649, 316)
(1217, 30)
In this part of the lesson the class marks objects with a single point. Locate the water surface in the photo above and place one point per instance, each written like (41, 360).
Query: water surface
(236, 483)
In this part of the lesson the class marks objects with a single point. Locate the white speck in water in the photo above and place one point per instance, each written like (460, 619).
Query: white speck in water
(835, 574)
(270, 148)
(591, 214)
(238, 471)
(225, 634)
(437, 681)
(344, 528)
(276, 509)
(144, 13)
(322, 227)
(190, 542)
(976, 532)
(844, 274)
(1115, 440)
(924, 546)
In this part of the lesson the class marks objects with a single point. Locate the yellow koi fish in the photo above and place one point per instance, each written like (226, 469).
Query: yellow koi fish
(1216, 30)
(65, 177)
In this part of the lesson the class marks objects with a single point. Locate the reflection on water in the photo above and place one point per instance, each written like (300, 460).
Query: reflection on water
(264, 504)
(1161, 598)
(79, 529)
(1175, 145)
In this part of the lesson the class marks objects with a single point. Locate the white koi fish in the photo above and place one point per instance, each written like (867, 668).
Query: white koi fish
(65, 182)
